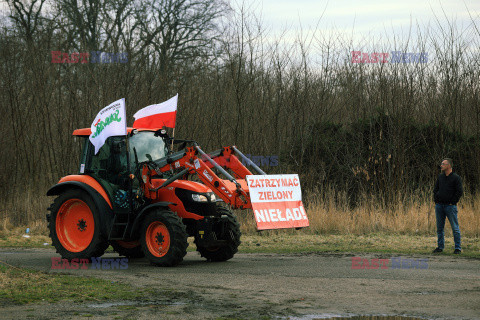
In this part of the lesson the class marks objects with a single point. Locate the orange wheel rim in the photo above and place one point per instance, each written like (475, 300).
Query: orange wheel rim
(128, 244)
(75, 225)
(157, 239)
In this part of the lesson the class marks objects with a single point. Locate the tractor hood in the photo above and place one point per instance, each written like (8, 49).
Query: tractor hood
(182, 184)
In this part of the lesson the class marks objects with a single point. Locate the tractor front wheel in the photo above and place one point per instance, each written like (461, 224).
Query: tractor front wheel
(164, 238)
(231, 234)
(74, 225)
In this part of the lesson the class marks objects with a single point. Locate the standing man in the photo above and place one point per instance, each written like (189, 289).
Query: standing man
(446, 193)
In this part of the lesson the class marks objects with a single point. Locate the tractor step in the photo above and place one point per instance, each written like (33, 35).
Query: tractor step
(119, 228)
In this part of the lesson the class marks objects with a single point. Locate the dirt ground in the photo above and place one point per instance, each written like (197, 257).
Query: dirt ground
(272, 286)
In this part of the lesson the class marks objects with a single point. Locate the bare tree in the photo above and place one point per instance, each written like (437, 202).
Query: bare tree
(120, 24)
(26, 16)
(82, 21)
(178, 31)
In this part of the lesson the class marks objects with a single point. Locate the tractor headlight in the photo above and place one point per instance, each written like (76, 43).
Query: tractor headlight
(199, 197)
(212, 197)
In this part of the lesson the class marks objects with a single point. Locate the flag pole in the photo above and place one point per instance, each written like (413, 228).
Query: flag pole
(173, 133)
(129, 173)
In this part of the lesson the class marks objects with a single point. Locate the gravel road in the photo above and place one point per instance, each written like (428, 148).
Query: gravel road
(273, 285)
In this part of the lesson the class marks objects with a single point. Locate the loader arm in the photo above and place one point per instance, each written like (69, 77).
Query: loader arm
(233, 190)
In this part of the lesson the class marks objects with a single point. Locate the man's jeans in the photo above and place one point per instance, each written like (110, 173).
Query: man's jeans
(450, 212)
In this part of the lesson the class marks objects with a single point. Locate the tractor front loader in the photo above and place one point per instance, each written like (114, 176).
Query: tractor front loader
(140, 198)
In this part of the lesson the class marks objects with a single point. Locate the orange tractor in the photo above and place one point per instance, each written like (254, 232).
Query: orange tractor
(138, 196)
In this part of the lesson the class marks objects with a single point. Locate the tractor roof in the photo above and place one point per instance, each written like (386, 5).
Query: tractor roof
(87, 131)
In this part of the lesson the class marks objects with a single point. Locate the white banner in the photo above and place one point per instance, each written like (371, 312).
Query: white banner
(110, 121)
(277, 201)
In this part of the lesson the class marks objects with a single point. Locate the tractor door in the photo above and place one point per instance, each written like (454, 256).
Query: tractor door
(109, 168)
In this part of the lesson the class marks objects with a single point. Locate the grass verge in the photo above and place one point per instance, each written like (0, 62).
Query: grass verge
(22, 286)
(371, 243)
(291, 241)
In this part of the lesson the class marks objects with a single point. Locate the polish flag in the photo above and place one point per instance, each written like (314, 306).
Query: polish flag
(157, 116)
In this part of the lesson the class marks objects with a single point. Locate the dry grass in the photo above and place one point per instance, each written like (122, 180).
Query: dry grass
(27, 208)
(413, 217)
(15, 237)
(330, 219)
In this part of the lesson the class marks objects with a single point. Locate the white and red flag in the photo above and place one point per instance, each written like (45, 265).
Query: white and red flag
(110, 121)
(157, 116)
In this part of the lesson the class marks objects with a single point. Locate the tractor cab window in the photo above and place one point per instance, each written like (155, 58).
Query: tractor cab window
(110, 163)
(146, 146)
(109, 168)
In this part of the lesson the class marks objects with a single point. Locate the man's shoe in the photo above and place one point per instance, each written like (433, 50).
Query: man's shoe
(437, 250)
(457, 251)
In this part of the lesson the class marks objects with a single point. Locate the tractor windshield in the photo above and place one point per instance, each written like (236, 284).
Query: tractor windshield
(147, 146)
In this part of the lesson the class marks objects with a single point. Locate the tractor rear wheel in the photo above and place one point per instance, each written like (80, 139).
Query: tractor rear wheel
(74, 225)
(129, 249)
(164, 238)
(231, 234)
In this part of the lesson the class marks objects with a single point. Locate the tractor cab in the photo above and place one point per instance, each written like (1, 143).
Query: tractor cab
(110, 166)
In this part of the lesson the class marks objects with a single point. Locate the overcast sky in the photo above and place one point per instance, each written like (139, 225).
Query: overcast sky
(365, 20)
(370, 24)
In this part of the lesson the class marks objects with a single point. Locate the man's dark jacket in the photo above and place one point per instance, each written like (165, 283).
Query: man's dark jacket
(448, 189)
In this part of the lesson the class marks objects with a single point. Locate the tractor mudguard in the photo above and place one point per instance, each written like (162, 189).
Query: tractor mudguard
(85, 180)
(106, 213)
(138, 219)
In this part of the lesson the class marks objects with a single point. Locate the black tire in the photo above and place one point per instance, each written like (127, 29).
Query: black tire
(70, 223)
(232, 236)
(162, 227)
(129, 252)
